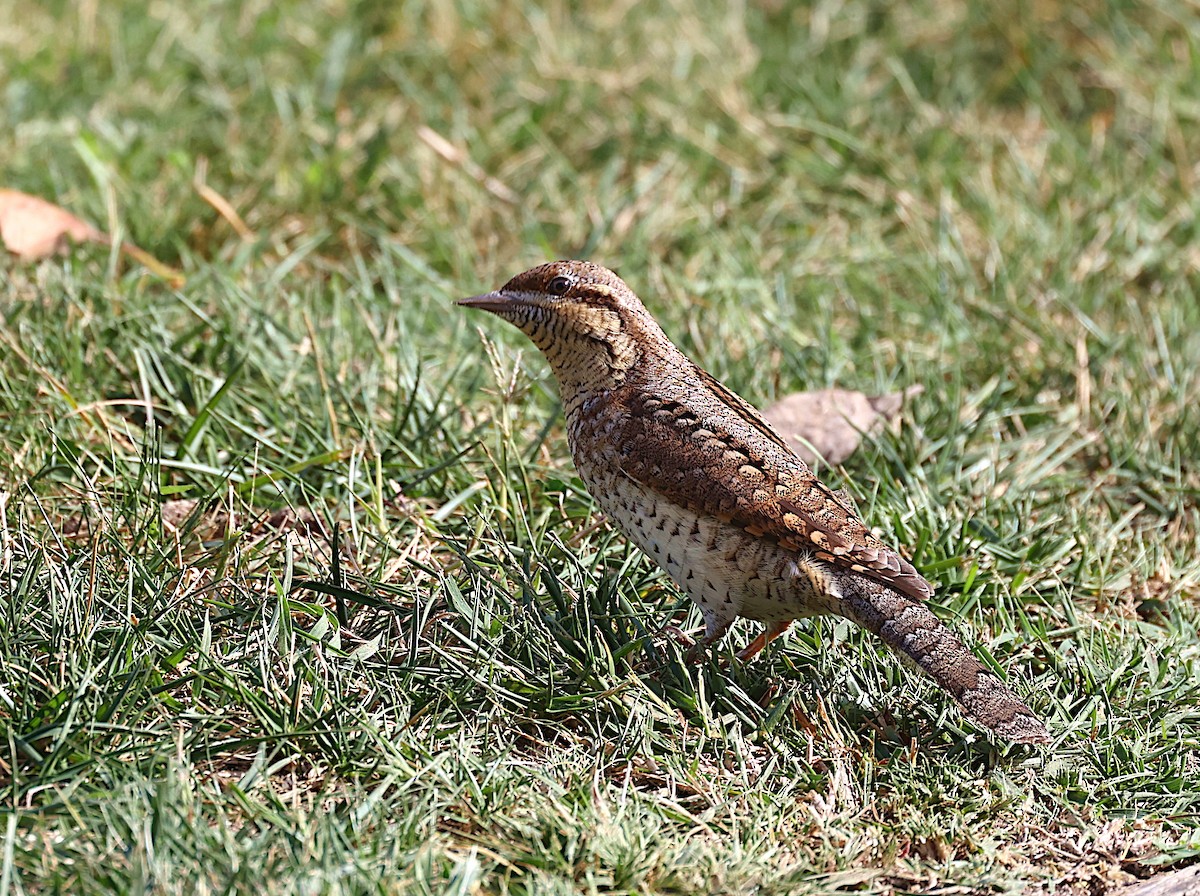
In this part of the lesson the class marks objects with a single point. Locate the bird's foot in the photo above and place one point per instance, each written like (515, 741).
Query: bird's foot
(667, 632)
(696, 650)
(769, 634)
(696, 653)
(678, 635)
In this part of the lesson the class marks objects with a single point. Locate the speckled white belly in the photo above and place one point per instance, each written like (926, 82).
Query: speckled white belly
(725, 571)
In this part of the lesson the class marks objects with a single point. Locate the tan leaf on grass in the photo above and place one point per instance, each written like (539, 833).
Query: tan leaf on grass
(828, 424)
(32, 228)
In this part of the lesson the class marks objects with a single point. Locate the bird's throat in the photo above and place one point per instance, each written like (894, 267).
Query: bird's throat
(589, 353)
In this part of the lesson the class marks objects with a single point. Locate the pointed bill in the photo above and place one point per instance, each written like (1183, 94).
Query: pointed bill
(490, 301)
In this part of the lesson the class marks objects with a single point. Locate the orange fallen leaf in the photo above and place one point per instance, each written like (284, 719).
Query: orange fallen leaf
(828, 424)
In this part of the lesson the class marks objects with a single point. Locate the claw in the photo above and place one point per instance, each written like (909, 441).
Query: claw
(696, 653)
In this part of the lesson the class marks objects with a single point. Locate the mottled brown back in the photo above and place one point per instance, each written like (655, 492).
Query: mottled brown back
(715, 453)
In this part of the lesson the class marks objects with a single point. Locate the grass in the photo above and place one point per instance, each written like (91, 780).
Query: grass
(300, 591)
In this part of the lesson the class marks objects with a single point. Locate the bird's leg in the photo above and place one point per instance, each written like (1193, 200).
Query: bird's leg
(769, 634)
(676, 634)
(715, 628)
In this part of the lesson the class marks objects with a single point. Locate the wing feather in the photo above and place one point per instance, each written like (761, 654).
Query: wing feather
(715, 452)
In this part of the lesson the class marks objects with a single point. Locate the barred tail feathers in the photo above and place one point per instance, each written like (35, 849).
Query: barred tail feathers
(918, 636)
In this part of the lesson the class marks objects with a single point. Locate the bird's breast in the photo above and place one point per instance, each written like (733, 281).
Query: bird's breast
(722, 567)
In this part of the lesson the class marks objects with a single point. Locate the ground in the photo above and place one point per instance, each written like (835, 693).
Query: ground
(300, 592)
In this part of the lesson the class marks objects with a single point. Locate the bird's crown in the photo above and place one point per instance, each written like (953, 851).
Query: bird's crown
(571, 281)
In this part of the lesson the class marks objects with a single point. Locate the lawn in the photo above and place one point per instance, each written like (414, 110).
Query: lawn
(299, 591)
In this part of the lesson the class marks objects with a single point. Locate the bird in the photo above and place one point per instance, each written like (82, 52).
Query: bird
(694, 476)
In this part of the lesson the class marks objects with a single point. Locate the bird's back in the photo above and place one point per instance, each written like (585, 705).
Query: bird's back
(678, 433)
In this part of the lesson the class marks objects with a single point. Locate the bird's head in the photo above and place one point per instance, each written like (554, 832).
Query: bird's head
(591, 327)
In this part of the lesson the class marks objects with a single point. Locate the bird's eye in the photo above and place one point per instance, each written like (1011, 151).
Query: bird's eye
(559, 286)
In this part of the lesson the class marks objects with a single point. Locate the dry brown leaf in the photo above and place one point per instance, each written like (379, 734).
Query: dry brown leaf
(32, 228)
(828, 424)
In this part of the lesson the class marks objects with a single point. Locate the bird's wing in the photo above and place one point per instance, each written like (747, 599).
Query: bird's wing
(727, 461)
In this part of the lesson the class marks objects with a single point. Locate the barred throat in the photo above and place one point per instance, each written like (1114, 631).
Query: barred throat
(588, 349)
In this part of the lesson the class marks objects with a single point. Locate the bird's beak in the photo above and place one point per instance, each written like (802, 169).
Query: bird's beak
(491, 301)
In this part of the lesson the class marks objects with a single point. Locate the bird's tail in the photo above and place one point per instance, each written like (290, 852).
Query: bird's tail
(910, 629)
